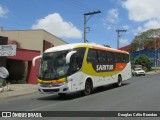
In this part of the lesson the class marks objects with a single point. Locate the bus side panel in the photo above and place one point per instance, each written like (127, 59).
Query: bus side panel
(126, 72)
(77, 81)
(105, 78)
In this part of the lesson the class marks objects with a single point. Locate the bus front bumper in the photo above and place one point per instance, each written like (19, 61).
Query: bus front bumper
(53, 90)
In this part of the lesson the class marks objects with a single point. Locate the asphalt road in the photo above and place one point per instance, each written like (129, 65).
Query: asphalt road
(137, 94)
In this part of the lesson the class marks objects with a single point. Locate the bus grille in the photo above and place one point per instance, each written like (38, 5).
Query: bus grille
(50, 90)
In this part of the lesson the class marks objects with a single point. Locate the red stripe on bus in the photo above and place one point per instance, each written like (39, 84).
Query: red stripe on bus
(108, 49)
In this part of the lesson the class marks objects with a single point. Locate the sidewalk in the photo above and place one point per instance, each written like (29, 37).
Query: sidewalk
(153, 72)
(18, 90)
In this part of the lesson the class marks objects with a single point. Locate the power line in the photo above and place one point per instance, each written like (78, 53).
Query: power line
(81, 5)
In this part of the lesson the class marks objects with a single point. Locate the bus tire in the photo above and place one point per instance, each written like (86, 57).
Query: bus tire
(119, 83)
(88, 87)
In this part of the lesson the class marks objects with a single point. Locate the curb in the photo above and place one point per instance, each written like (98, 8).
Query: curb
(152, 72)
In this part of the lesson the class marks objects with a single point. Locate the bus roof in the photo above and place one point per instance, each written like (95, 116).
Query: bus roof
(77, 45)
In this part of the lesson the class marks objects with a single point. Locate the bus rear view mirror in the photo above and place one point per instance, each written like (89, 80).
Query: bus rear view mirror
(34, 59)
(68, 56)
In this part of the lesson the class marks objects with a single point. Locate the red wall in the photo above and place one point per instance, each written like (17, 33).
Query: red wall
(33, 72)
(125, 48)
(23, 54)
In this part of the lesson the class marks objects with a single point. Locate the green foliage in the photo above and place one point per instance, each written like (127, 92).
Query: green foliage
(144, 61)
(107, 45)
(145, 39)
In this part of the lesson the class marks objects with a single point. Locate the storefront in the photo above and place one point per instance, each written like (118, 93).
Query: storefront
(22, 63)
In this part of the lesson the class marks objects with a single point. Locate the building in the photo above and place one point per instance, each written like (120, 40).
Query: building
(148, 44)
(31, 43)
(150, 49)
(151, 53)
(126, 48)
(33, 39)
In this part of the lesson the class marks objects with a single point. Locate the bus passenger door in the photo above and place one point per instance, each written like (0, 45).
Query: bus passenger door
(75, 66)
(75, 74)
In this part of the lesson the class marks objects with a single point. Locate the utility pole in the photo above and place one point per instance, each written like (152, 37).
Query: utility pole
(85, 21)
(118, 36)
(155, 52)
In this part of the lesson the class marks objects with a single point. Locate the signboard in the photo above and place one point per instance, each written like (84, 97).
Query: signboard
(7, 50)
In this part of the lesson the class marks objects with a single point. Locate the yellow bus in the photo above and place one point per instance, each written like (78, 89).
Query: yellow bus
(81, 67)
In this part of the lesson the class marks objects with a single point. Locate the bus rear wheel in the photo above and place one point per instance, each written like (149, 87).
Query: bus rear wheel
(88, 88)
(119, 83)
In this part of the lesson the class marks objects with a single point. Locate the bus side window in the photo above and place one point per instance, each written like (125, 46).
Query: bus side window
(118, 57)
(110, 57)
(92, 56)
(101, 56)
(77, 60)
(80, 56)
(115, 57)
(123, 58)
(126, 58)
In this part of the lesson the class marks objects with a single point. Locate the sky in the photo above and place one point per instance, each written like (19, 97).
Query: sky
(65, 18)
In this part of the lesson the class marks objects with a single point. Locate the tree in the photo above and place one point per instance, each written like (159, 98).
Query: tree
(147, 39)
(144, 61)
(107, 45)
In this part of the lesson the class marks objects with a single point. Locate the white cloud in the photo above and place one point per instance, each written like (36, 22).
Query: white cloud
(55, 24)
(138, 30)
(3, 11)
(142, 10)
(124, 41)
(126, 27)
(112, 18)
(151, 24)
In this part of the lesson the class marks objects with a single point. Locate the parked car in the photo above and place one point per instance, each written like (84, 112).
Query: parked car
(138, 71)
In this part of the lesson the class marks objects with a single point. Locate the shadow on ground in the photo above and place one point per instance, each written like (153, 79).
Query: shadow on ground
(77, 95)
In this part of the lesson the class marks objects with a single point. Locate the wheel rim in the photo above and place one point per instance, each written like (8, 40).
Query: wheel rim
(119, 81)
(87, 89)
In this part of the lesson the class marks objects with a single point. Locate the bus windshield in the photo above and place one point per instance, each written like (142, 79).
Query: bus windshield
(53, 65)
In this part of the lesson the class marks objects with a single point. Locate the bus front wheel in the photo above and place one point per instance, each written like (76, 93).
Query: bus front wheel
(88, 88)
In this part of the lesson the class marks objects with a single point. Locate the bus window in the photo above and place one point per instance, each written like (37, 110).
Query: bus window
(101, 56)
(110, 57)
(126, 56)
(77, 60)
(118, 57)
(122, 57)
(80, 56)
(92, 56)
